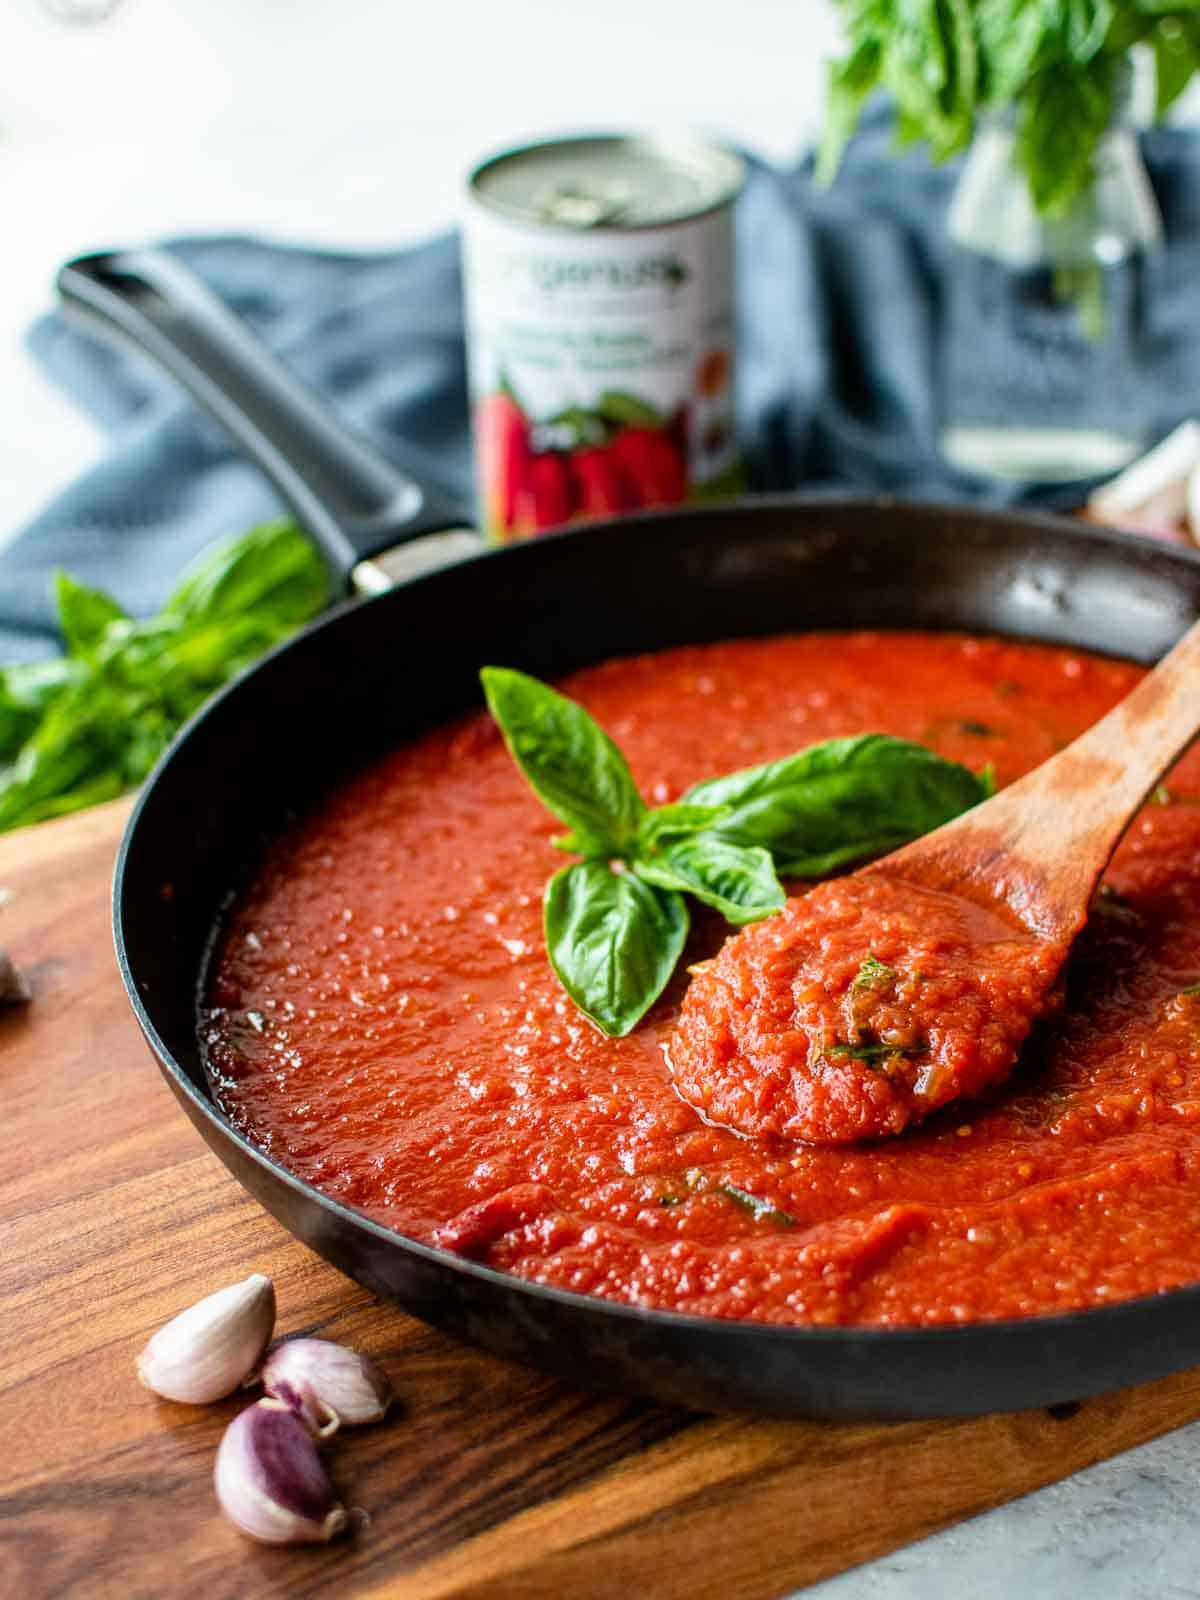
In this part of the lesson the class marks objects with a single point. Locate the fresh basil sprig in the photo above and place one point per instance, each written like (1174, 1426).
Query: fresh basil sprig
(1057, 63)
(84, 727)
(615, 923)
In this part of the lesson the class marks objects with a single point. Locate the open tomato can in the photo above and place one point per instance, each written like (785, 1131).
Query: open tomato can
(599, 296)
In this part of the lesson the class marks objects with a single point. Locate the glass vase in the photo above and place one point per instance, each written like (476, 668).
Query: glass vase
(1042, 359)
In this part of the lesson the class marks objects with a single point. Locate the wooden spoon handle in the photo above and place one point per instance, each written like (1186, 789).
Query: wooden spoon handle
(1042, 843)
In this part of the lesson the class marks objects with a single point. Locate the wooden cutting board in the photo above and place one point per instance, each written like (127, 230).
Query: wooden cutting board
(487, 1480)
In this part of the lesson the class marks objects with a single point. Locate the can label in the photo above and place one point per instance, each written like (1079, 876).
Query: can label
(601, 367)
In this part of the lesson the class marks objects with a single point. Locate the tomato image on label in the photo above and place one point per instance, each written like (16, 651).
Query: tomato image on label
(581, 463)
(544, 498)
(502, 433)
(602, 487)
(654, 464)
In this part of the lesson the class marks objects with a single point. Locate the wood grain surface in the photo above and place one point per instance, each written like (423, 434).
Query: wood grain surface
(486, 1481)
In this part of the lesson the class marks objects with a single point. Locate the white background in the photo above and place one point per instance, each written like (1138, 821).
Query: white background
(341, 122)
(347, 122)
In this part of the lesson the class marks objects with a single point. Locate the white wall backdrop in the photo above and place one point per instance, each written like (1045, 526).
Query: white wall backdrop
(348, 122)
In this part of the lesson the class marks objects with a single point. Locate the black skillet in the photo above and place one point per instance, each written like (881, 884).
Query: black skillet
(372, 674)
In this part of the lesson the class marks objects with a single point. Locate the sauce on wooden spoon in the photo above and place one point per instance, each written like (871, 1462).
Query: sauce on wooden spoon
(875, 999)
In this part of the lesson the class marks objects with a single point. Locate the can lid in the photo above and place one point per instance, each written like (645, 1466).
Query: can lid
(607, 181)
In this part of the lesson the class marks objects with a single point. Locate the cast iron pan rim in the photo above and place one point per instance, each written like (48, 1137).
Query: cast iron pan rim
(942, 1336)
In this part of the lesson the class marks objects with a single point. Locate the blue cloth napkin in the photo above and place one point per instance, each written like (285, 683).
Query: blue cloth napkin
(838, 305)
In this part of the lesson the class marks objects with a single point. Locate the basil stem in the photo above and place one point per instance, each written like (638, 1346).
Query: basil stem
(761, 1210)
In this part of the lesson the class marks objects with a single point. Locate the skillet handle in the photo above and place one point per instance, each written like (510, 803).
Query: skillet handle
(354, 501)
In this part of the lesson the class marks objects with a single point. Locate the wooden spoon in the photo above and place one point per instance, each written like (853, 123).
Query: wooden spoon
(874, 999)
(1039, 847)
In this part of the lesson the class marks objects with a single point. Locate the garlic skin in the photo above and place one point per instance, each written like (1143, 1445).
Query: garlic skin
(270, 1481)
(326, 1384)
(1154, 488)
(209, 1350)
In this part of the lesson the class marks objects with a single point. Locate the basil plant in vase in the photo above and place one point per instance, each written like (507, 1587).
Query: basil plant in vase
(1053, 218)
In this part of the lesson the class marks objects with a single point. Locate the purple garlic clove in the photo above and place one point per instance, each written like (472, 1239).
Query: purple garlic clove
(327, 1384)
(270, 1480)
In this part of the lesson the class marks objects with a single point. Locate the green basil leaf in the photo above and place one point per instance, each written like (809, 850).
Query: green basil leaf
(1087, 23)
(873, 974)
(84, 613)
(71, 761)
(27, 692)
(850, 84)
(673, 821)
(945, 62)
(1012, 36)
(618, 406)
(148, 739)
(569, 761)
(582, 844)
(1062, 116)
(1176, 45)
(20, 807)
(737, 881)
(840, 801)
(612, 940)
(272, 573)
(187, 661)
(83, 729)
(873, 1052)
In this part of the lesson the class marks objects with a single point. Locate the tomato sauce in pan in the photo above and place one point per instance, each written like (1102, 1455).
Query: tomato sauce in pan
(381, 1018)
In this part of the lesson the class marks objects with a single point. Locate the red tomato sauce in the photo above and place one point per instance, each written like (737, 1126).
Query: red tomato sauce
(381, 1017)
(860, 1008)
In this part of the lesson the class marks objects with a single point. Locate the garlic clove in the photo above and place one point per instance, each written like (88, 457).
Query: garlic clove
(326, 1384)
(207, 1351)
(1153, 490)
(270, 1481)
